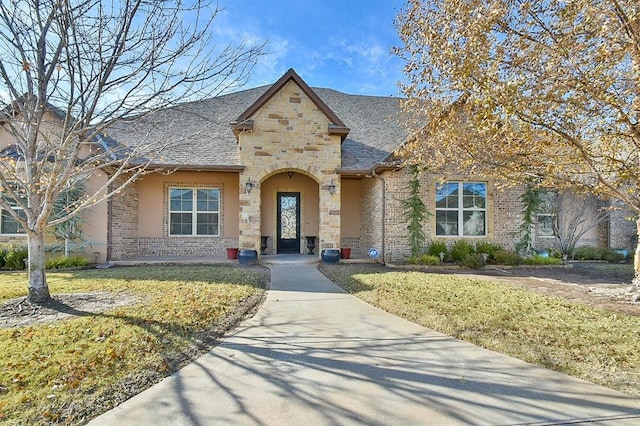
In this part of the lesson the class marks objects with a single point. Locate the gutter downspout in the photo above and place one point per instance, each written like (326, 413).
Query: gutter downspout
(375, 174)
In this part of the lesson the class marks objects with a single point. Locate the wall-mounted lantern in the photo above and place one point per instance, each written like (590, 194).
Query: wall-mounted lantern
(248, 186)
(331, 188)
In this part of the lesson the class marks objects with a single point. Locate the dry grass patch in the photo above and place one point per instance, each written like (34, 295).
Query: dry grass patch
(69, 370)
(590, 343)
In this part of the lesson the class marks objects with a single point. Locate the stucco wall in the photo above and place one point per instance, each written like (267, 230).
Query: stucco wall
(140, 218)
(95, 220)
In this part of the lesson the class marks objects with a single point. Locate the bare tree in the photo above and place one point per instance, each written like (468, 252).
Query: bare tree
(542, 91)
(572, 217)
(71, 69)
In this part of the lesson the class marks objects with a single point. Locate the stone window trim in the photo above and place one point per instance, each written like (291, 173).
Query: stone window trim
(191, 185)
(469, 221)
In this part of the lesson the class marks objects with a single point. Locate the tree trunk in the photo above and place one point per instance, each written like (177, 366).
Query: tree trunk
(38, 288)
(635, 284)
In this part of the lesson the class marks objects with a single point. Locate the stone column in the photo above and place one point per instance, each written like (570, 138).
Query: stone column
(249, 237)
(329, 214)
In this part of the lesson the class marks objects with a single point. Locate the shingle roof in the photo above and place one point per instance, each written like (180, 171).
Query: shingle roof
(199, 134)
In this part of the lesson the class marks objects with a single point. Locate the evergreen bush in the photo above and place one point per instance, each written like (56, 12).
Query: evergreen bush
(487, 248)
(587, 253)
(540, 260)
(62, 262)
(460, 249)
(507, 257)
(611, 256)
(474, 261)
(15, 258)
(425, 259)
(436, 247)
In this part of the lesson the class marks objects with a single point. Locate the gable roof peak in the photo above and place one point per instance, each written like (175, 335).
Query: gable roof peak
(244, 119)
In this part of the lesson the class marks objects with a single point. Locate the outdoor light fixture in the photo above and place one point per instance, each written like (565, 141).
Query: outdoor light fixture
(249, 186)
(332, 188)
(290, 174)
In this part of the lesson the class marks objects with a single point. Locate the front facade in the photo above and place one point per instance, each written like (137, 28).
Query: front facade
(285, 165)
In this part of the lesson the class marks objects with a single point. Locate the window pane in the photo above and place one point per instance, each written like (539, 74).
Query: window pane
(181, 200)
(473, 223)
(181, 224)
(446, 223)
(208, 200)
(545, 225)
(207, 224)
(474, 195)
(9, 225)
(447, 195)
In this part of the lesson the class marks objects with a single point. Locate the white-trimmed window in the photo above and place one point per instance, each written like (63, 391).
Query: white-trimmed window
(8, 224)
(546, 226)
(461, 209)
(548, 215)
(194, 211)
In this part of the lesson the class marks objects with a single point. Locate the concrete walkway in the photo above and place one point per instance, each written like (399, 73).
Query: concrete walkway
(314, 355)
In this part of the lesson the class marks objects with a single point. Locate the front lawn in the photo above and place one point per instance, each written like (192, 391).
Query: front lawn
(72, 369)
(594, 344)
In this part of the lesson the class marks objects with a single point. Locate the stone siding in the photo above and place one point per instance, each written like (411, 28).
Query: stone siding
(290, 133)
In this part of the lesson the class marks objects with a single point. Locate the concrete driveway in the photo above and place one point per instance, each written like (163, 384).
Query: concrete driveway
(314, 355)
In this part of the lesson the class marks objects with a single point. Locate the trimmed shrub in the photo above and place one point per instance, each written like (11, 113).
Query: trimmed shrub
(487, 247)
(554, 252)
(3, 254)
(425, 259)
(474, 261)
(62, 262)
(611, 256)
(540, 260)
(587, 253)
(507, 257)
(436, 247)
(461, 249)
(15, 258)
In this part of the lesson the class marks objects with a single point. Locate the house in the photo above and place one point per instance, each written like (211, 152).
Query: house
(283, 163)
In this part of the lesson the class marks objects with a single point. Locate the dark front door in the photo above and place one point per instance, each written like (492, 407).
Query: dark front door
(288, 222)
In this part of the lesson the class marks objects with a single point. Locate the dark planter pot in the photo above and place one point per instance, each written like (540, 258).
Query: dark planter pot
(232, 253)
(248, 257)
(264, 244)
(345, 253)
(311, 244)
(330, 255)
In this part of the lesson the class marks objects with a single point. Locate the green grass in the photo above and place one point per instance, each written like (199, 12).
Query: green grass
(593, 344)
(59, 371)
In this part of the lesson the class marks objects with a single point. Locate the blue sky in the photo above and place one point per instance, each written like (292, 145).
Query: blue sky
(340, 44)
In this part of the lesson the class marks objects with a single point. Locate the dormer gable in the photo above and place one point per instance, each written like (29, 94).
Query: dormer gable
(245, 123)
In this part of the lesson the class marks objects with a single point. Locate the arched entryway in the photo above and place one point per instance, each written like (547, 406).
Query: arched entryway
(289, 211)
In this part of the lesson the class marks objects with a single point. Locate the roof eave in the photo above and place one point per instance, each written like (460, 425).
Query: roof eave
(190, 167)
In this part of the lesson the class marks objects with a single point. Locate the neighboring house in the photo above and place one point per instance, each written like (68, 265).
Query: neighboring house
(289, 162)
